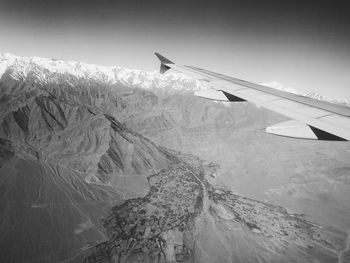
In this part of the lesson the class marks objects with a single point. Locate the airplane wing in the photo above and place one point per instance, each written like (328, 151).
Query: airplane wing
(311, 119)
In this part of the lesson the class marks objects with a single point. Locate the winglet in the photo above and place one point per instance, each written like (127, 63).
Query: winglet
(163, 61)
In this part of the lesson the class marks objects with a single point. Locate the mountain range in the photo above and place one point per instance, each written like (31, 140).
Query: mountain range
(104, 163)
(129, 77)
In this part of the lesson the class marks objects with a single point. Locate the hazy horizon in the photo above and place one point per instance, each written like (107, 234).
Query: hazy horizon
(301, 45)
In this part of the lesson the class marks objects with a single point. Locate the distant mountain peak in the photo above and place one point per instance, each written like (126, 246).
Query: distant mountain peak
(276, 85)
(314, 95)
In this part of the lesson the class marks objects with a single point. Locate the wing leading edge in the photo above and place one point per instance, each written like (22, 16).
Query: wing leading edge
(313, 119)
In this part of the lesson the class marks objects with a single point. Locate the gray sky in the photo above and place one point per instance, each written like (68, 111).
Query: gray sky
(303, 44)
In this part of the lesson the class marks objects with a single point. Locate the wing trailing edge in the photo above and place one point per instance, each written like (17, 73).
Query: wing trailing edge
(296, 129)
(217, 95)
(292, 128)
(211, 94)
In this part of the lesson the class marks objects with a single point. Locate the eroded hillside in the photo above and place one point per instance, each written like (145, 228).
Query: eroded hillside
(64, 163)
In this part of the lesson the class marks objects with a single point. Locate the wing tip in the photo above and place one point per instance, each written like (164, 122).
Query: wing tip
(164, 62)
(163, 59)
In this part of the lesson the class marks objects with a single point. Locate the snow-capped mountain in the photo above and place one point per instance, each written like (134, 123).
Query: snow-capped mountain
(317, 96)
(314, 95)
(43, 70)
(276, 85)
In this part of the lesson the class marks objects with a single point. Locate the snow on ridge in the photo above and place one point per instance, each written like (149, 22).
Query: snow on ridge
(55, 65)
(133, 77)
(276, 85)
(6, 59)
(114, 74)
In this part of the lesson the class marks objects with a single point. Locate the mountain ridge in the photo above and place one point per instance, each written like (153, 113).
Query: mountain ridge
(132, 77)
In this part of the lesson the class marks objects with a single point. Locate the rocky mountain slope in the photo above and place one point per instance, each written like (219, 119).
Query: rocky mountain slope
(70, 156)
(64, 162)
